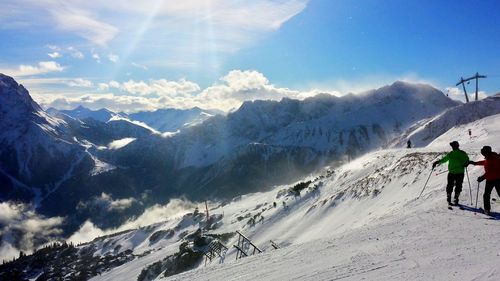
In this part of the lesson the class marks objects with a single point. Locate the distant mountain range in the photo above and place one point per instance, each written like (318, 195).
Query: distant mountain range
(66, 160)
(162, 120)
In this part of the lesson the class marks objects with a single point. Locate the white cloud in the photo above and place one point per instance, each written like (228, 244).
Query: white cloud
(8, 251)
(54, 55)
(243, 86)
(139, 66)
(54, 47)
(69, 17)
(229, 93)
(97, 101)
(95, 55)
(136, 87)
(457, 94)
(87, 232)
(226, 26)
(117, 144)
(10, 212)
(113, 58)
(154, 214)
(58, 52)
(79, 82)
(175, 207)
(43, 67)
(75, 53)
(21, 228)
(103, 86)
(114, 84)
(161, 87)
(105, 202)
(245, 80)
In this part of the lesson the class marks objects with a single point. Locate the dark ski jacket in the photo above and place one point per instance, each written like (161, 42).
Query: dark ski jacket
(491, 166)
(457, 159)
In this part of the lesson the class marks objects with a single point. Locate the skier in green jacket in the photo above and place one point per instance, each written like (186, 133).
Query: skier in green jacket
(457, 161)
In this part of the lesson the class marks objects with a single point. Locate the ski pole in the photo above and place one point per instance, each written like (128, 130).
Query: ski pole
(477, 195)
(470, 188)
(426, 183)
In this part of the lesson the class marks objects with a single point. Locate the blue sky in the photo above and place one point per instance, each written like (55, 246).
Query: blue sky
(216, 54)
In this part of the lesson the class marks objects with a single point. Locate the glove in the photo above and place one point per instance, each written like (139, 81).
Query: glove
(480, 179)
(435, 164)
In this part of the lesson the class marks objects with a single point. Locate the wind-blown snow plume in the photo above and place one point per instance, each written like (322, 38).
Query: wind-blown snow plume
(174, 208)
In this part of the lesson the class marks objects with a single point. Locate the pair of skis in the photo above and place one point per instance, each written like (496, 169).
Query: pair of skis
(451, 205)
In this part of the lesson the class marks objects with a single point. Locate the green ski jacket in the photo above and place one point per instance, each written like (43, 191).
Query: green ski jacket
(456, 161)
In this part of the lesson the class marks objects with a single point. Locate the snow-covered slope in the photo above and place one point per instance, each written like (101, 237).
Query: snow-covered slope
(425, 131)
(362, 220)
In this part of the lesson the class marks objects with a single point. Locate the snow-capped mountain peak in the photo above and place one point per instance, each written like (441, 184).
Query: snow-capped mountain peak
(14, 97)
(82, 113)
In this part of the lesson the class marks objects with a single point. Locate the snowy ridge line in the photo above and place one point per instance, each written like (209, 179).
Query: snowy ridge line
(425, 131)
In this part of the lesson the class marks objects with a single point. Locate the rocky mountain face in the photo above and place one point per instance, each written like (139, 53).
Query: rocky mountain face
(37, 152)
(352, 124)
(65, 164)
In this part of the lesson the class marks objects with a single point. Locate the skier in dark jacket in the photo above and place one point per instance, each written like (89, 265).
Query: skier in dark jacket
(492, 175)
(457, 161)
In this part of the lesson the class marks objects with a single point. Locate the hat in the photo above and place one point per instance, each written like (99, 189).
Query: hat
(454, 144)
(486, 149)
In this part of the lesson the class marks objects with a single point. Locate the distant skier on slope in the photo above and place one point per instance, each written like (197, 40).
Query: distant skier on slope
(457, 160)
(408, 144)
(492, 175)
